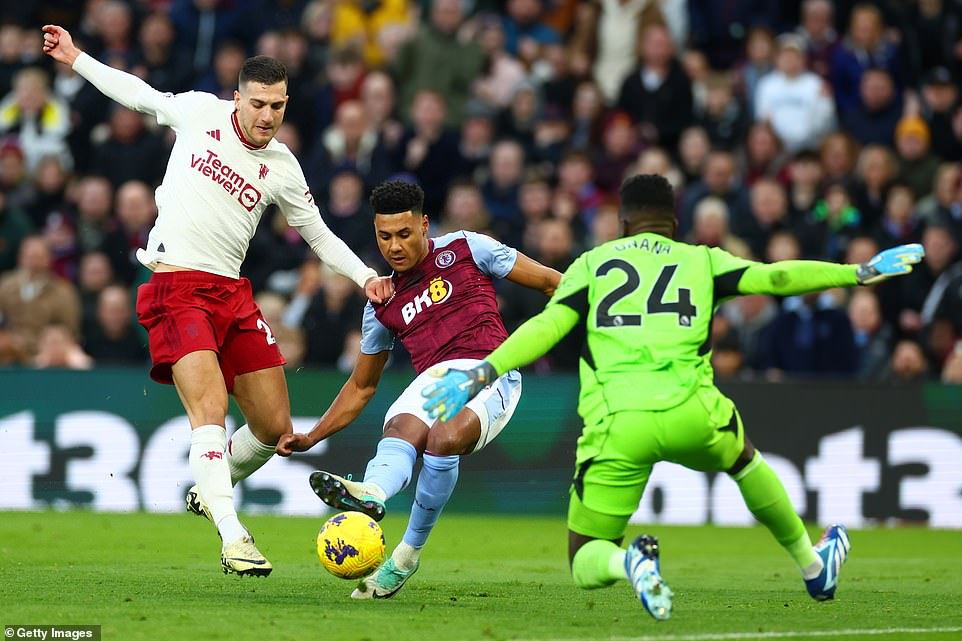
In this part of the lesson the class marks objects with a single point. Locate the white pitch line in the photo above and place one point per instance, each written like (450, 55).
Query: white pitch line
(735, 636)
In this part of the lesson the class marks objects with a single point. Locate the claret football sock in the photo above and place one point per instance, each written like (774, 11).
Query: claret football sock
(390, 469)
(246, 454)
(436, 482)
(766, 498)
(212, 474)
(597, 564)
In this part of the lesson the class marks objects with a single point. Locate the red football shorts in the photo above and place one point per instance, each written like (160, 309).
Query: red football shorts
(190, 311)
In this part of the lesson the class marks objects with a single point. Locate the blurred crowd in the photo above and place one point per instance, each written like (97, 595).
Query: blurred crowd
(794, 129)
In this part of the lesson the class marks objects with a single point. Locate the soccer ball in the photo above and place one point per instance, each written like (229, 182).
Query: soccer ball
(350, 545)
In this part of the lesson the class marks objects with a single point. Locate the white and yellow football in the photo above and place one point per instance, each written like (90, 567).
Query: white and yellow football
(350, 545)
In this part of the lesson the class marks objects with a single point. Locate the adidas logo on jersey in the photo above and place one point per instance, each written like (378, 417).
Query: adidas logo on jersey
(438, 291)
(214, 133)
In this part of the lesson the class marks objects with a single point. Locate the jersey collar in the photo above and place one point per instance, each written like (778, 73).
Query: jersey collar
(240, 134)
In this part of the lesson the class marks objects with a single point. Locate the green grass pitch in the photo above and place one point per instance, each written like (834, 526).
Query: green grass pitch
(482, 578)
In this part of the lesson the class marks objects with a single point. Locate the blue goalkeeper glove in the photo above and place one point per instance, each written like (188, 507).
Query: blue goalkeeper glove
(888, 263)
(449, 395)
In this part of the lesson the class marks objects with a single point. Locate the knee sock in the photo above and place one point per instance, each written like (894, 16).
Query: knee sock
(436, 482)
(597, 564)
(390, 469)
(246, 454)
(212, 475)
(765, 496)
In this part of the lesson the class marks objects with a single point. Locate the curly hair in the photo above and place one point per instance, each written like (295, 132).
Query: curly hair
(397, 197)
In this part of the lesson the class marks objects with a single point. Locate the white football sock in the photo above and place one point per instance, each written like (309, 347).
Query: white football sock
(246, 454)
(212, 475)
(405, 556)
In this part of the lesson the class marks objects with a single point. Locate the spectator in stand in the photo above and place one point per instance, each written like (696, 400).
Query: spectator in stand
(900, 222)
(15, 181)
(759, 62)
(718, 179)
(58, 349)
(11, 54)
(931, 31)
(350, 143)
(378, 28)
(937, 206)
(136, 212)
(503, 74)
(865, 46)
(811, 337)
(827, 229)
(434, 59)
(39, 119)
(782, 245)
(161, 64)
(14, 228)
(763, 155)
(805, 175)
(838, 153)
(619, 149)
(534, 200)
(519, 119)
(576, 178)
(333, 311)
(902, 301)
(657, 94)
(693, 150)
(113, 339)
(917, 166)
(94, 204)
(429, 150)
(938, 100)
(723, 116)
(94, 273)
(275, 255)
(873, 120)
(874, 171)
(525, 32)
(719, 28)
(348, 214)
(712, 229)
(769, 214)
(290, 340)
(464, 209)
(908, 363)
(113, 21)
(655, 160)
(794, 100)
(588, 116)
(32, 296)
(476, 141)
(201, 25)
(221, 80)
(751, 317)
(131, 152)
(873, 337)
(617, 26)
(501, 190)
(380, 107)
(552, 133)
(821, 39)
(49, 192)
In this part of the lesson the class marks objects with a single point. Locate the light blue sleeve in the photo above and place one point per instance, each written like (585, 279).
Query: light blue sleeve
(491, 256)
(375, 337)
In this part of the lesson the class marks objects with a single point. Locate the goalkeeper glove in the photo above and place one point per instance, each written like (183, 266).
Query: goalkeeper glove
(888, 263)
(449, 395)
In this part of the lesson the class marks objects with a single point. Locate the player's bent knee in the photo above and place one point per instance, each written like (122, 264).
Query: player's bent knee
(449, 442)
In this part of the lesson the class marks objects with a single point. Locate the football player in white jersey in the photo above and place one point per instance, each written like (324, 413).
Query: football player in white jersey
(207, 337)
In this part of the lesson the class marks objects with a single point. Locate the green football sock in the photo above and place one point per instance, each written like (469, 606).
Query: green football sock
(598, 564)
(765, 496)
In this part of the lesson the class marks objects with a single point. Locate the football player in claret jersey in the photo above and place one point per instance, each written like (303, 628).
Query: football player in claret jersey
(647, 389)
(445, 313)
(207, 337)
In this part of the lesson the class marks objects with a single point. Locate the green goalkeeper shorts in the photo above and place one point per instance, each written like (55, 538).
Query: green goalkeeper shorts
(615, 456)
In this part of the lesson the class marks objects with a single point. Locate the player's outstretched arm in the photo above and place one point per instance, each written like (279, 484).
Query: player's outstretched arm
(532, 274)
(125, 88)
(58, 44)
(793, 277)
(353, 397)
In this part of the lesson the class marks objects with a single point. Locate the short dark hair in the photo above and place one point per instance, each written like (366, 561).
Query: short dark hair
(263, 70)
(396, 197)
(648, 196)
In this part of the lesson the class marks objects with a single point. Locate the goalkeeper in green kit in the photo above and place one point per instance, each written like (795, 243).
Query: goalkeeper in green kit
(647, 388)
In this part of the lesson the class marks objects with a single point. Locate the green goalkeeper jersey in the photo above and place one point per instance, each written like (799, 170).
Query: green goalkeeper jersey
(647, 303)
